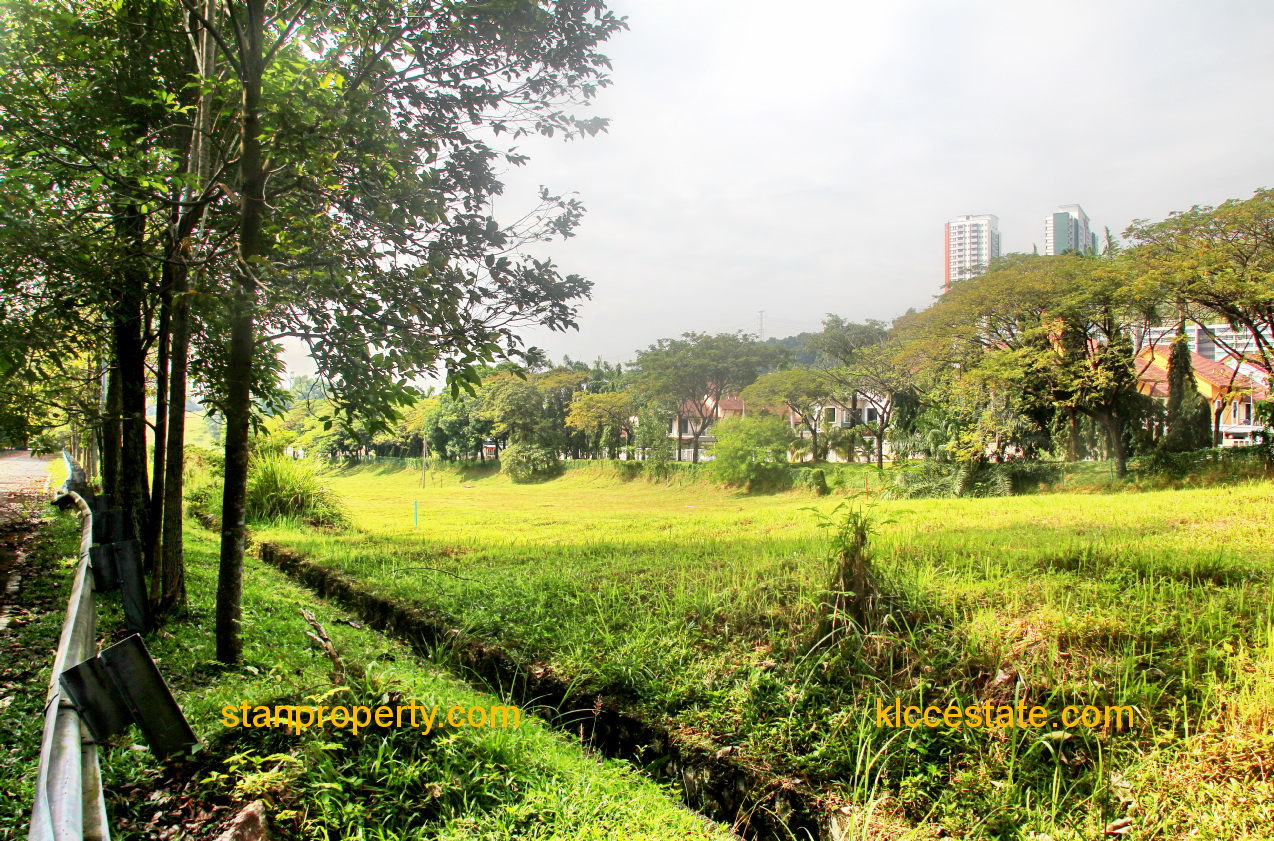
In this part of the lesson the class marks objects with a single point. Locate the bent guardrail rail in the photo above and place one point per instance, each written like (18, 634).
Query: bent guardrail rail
(92, 696)
(69, 802)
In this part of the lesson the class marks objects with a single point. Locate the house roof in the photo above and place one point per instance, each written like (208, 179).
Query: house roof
(1155, 377)
(1217, 374)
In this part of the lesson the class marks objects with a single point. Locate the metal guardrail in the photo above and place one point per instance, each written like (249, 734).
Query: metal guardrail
(69, 802)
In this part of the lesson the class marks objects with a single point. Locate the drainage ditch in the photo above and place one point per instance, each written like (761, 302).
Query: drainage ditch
(758, 806)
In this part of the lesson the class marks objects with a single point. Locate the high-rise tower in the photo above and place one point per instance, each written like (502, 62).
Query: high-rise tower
(971, 243)
(1067, 230)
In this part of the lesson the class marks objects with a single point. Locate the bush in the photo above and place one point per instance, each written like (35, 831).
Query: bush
(526, 463)
(201, 486)
(813, 478)
(279, 486)
(1160, 468)
(949, 478)
(751, 453)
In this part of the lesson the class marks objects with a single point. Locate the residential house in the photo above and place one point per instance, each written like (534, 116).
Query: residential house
(681, 428)
(837, 416)
(1231, 392)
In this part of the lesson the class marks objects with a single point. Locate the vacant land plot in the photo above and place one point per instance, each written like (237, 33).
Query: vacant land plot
(700, 608)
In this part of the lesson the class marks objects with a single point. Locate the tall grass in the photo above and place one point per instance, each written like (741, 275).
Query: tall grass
(279, 488)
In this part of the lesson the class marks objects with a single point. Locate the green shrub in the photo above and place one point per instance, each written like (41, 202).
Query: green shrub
(279, 487)
(751, 453)
(937, 479)
(526, 463)
(1219, 465)
(201, 486)
(814, 479)
(629, 470)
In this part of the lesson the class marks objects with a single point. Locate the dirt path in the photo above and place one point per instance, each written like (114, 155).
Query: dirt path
(20, 476)
(23, 483)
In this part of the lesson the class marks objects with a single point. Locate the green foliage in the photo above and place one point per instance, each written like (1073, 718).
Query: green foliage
(751, 452)
(937, 479)
(278, 487)
(1189, 416)
(868, 365)
(1212, 466)
(1219, 260)
(702, 602)
(1032, 338)
(802, 391)
(281, 487)
(852, 589)
(515, 407)
(605, 415)
(690, 376)
(202, 487)
(525, 463)
(1263, 413)
(812, 478)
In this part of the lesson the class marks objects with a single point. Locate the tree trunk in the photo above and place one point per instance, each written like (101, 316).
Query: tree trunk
(157, 473)
(168, 585)
(242, 341)
(880, 448)
(130, 361)
(1115, 442)
(111, 440)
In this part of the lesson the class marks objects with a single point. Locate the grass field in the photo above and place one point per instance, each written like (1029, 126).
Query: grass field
(390, 785)
(698, 607)
(325, 783)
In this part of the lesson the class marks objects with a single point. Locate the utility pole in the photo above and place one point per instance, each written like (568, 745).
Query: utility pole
(760, 323)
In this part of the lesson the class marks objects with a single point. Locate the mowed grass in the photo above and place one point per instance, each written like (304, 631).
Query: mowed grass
(697, 607)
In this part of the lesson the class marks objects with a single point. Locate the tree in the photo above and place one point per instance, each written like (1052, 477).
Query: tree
(362, 193)
(865, 364)
(515, 408)
(1220, 260)
(88, 110)
(693, 374)
(558, 387)
(599, 413)
(802, 391)
(111, 116)
(455, 429)
(751, 452)
(1189, 418)
(1034, 337)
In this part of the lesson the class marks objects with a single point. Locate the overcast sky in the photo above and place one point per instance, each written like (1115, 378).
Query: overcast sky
(801, 157)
